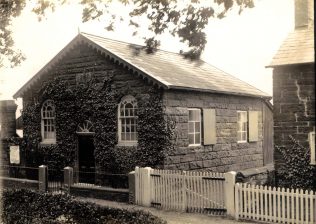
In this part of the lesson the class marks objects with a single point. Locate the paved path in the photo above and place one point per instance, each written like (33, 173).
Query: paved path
(170, 216)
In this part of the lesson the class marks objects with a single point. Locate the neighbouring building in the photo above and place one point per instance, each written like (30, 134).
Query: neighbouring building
(294, 85)
(105, 105)
(7, 125)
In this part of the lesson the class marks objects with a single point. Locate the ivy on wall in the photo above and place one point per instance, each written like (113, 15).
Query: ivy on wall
(296, 172)
(97, 101)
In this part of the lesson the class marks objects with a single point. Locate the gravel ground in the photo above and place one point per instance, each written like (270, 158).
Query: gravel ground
(170, 216)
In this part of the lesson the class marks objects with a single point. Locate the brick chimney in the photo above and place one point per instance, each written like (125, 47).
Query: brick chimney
(7, 118)
(304, 14)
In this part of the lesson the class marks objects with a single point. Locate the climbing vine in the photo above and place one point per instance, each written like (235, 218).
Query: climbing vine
(97, 101)
(296, 172)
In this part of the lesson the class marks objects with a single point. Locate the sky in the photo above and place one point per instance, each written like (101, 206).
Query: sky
(241, 45)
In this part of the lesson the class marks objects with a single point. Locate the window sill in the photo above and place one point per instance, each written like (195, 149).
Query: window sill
(195, 145)
(48, 142)
(128, 144)
(240, 142)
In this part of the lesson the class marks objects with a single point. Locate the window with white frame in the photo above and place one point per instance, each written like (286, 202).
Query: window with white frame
(48, 122)
(242, 129)
(194, 127)
(127, 120)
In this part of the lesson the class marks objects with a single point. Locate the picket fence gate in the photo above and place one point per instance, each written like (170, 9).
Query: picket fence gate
(189, 191)
(280, 205)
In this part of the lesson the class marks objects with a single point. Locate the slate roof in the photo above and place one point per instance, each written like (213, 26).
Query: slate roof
(168, 70)
(298, 48)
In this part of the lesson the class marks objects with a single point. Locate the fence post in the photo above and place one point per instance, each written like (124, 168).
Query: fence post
(146, 187)
(230, 180)
(43, 178)
(68, 178)
(184, 192)
(131, 188)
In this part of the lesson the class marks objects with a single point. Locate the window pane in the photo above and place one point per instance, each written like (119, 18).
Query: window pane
(244, 136)
(244, 126)
(191, 127)
(243, 116)
(126, 112)
(190, 115)
(128, 128)
(197, 115)
(197, 138)
(133, 136)
(197, 126)
(194, 115)
(128, 105)
(123, 136)
(191, 138)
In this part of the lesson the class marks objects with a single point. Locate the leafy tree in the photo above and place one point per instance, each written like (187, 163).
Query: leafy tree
(185, 21)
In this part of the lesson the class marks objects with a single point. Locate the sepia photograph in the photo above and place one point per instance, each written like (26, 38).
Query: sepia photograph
(157, 112)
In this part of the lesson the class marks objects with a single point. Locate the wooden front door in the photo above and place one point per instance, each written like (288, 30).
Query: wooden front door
(86, 159)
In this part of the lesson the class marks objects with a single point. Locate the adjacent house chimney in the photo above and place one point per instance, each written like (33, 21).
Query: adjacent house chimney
(7, 118)
(304, 13)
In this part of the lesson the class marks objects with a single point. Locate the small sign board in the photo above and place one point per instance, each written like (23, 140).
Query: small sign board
(14, 154)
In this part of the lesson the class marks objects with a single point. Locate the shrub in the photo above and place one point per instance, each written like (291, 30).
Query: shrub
(25, 206)
(296, 172)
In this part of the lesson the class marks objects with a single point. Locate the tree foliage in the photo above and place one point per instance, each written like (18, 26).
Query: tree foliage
(186, 21)
(9, 9)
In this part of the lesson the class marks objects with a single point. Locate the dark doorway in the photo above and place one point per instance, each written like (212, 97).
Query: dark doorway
(86, 159)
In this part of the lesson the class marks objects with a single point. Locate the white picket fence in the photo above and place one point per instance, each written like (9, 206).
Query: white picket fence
(280, 205)
(202, 192)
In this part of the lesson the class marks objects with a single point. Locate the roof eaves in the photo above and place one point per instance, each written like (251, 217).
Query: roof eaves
(287, 64)
(220, 92)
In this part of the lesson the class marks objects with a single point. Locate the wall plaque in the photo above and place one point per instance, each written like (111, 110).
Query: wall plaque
(15, 154)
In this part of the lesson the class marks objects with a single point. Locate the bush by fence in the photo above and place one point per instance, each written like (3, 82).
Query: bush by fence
(24, 206)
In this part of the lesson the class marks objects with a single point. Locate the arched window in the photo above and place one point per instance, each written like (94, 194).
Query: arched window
(48, 122)
(127, 120)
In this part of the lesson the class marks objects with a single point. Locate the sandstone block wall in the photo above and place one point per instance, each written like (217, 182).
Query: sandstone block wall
(226, 154)
(294, 105)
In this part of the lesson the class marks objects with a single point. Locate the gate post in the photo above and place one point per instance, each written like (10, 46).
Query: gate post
(230, 180)
(131, 188)
(42, 178)
(68, 178)
(146, 187)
